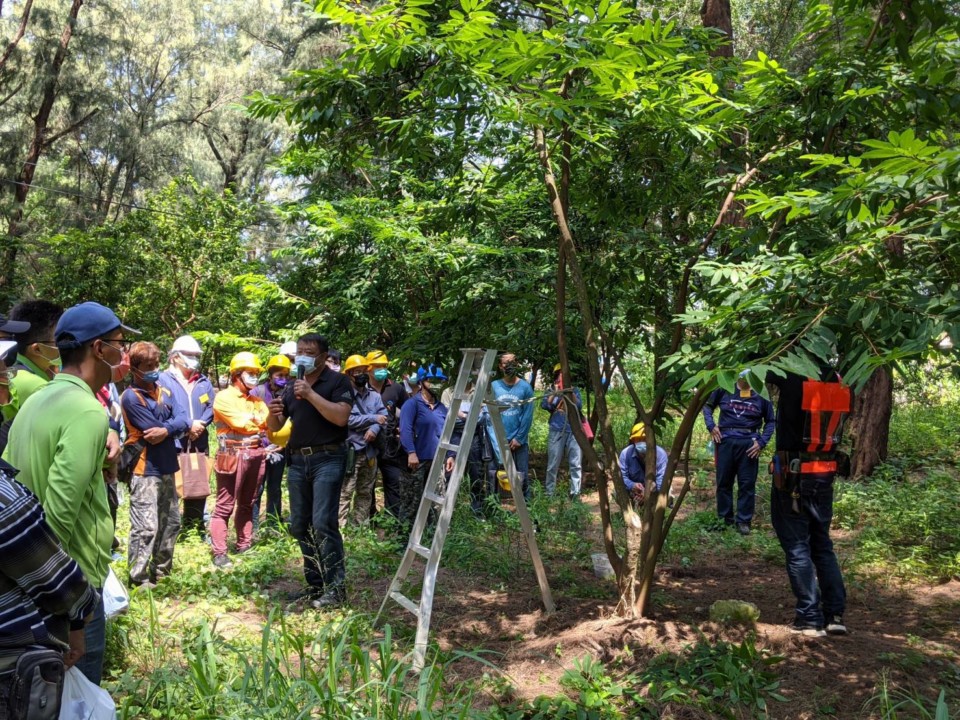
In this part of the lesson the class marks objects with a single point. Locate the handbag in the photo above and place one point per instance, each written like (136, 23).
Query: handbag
(37, 684)
(194, 477)
(127, 462)
(587, 430)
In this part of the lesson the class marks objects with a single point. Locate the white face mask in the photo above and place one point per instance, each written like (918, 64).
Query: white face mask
(190, 363)
(249, 379)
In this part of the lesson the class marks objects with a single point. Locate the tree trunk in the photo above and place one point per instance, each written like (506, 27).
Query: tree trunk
(716, 14)
(870, 423)
(38, 146)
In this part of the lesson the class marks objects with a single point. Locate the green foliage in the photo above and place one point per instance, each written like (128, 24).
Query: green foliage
(723, 679)
(908, 525)
(166, 269)
(893, 703)
(337, 672)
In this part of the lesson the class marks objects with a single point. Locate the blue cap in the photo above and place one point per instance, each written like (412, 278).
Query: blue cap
(14, 327)
(85, 322)
(744, 373)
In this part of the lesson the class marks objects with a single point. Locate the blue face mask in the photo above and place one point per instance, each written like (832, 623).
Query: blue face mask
(381, 374)
(280, 382)
(151, 377)
(308, 363)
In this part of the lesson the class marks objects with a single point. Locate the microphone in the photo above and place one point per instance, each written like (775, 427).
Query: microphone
(301, 372)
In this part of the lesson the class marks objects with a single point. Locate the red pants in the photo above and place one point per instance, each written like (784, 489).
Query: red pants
(239, 475)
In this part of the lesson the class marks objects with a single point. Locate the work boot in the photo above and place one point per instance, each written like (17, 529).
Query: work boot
(221, 562)
(743, 528)
(305, 595)
(332, 598)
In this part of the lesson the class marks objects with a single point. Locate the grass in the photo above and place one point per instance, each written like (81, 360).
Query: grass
(210, 643)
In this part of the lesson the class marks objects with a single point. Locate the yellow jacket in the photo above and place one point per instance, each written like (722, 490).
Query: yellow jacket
(235, 413)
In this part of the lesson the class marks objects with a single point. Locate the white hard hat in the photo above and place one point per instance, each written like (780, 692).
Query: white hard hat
(186, 344)
(289, 348)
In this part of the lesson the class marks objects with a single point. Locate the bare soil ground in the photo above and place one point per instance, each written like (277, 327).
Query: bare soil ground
(908, 632)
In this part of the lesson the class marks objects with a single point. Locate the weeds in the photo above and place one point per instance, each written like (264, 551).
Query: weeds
(894, 703)
(912, 526)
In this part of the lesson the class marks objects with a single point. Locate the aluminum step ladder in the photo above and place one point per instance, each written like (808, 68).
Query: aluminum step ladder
(480, 363)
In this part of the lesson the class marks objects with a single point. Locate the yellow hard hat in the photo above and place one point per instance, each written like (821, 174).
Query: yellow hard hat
(353, 362)
(279, 361)
(557, 368)
(245, 361)
(637, 432)
(378, 358)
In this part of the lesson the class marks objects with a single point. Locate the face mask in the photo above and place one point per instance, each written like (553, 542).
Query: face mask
(56, 363)
(190, 363)
(361, 379)
(280, 382)
(119, 371)
(510, 370)
(150, 377)
(381, 374)
(335, 367)
(249, 379)
(308, 363)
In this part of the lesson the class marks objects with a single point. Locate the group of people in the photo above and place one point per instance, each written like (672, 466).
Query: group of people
(68, 434)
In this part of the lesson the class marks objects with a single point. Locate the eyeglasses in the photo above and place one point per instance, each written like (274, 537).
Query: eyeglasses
(119, 345)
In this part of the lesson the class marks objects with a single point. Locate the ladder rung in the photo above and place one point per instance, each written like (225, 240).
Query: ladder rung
(406, 602)
(433, 497)
(449, 446)
(421, 550)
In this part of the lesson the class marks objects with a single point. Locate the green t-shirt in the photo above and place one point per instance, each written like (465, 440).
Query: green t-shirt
(24, 384)
(58, 443)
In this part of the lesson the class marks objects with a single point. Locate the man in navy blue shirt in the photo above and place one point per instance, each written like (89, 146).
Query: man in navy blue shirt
(738, 441)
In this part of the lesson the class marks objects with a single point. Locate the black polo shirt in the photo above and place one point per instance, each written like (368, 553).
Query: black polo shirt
(393, 396)
(310, 428)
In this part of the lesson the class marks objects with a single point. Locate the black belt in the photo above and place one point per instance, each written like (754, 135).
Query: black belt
(313, 449)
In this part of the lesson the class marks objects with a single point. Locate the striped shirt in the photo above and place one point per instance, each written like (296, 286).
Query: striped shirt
(43, 592)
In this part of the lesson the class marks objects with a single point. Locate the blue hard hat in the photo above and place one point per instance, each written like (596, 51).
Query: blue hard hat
(430, 372)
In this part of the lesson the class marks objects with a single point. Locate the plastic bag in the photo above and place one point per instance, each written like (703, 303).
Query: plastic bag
(116, 599)
(82, 700)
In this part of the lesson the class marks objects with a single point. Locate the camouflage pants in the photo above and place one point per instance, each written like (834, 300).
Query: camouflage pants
(412, 485)
(154, 524)
(358, 489)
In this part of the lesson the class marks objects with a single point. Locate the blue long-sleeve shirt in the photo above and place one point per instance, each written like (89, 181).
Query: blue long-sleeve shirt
(143, 410)
(198, 406)
(367, 405)
(420, 427)
(741, 415)
(559, 421)
(518, 416)
(634, 471)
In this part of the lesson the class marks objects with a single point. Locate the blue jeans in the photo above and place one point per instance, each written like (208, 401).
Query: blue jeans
(314, 484)
(95, 644)
(560, 443)
(733, 463)
(805, 538)
(521, 459)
